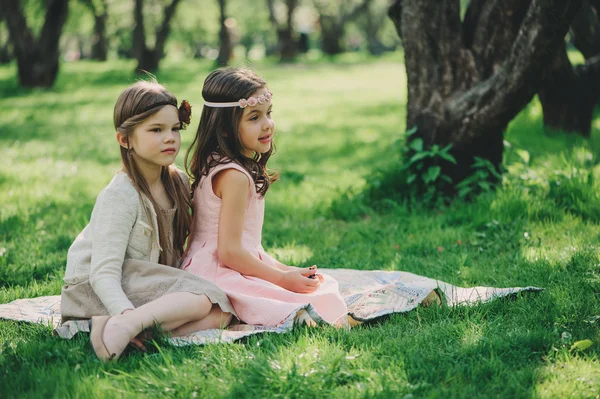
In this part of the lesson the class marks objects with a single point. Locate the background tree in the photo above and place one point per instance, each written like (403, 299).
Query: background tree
(225, 47)
(287, 44)
(6, 53)
(372, 21)
(149, 58)
(333, 17)
(468, 79)
(569, 93)
(37, 58)
(99, 10)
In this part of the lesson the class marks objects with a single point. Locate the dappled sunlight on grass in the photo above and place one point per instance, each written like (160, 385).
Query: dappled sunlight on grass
(576, 377)
(291, 254)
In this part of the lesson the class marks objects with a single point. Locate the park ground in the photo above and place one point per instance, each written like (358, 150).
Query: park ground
(339, 124)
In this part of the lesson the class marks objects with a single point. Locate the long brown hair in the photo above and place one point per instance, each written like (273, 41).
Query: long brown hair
(218, 129)
(135, 104)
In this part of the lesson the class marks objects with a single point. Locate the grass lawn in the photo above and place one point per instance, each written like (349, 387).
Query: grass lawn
(336, 125)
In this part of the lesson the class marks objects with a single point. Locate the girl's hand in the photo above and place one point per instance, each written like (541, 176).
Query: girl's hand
(298, 281)
(313, 274)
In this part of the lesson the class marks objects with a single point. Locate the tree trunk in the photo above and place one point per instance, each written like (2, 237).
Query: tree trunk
(569, 94)
(585, 30)
(333, 26)
(149, 58)
(331, 35)
(99, 39)
(373, 24)
(37, 59)
(467, 80)
(286, 43)
(225, 49)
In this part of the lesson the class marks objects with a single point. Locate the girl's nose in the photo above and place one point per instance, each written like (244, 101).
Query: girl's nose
(170, 136)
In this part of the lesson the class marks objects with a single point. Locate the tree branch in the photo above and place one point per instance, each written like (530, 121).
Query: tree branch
(19, 31)
(163, 33)
(272, 17)
(139, 33)
(56, 16)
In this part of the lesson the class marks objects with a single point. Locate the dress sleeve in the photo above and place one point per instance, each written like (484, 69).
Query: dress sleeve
(113, 218)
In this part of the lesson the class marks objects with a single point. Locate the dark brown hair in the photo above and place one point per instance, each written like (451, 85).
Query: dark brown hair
(135, 104)
(218, 129)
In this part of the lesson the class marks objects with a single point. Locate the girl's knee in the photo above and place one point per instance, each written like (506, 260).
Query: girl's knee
(200, 305)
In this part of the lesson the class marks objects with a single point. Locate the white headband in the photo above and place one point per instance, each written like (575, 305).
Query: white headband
(243, 103)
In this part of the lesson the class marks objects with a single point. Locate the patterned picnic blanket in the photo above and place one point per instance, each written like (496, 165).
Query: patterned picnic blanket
(368, 295)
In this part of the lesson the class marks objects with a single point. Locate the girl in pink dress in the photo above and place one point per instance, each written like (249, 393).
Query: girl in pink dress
(228, 160)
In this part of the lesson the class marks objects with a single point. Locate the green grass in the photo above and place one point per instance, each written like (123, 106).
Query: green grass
(336, 124)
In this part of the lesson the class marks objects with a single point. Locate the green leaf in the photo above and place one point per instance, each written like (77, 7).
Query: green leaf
(418, 156)
(446, 178)
(524, 155)
(417, 145)
(411, 131)
(448, 157)
(485, 185)
(462, 193)
(410, 179)
(432, 174)
(582, 345)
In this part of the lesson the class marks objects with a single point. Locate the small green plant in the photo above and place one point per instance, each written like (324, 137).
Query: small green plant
(424, 176)
(481, 181)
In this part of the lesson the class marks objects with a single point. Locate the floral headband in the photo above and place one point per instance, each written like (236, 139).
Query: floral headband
(243, 103)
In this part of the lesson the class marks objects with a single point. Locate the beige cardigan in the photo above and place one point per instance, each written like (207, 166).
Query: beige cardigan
(119, 229)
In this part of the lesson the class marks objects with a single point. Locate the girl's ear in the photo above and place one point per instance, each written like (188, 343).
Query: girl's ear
(122, 139)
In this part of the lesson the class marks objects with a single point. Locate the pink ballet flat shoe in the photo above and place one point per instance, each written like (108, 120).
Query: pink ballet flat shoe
(97, 326)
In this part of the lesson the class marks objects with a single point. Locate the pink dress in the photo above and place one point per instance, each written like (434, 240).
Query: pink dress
(255, 301)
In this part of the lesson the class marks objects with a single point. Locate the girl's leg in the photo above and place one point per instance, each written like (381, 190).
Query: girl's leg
(215, 319)
(172, 311)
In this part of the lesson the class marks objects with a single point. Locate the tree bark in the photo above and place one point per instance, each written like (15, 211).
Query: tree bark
(99, 39)
(37, 59)
(468, 79)
(569, 94)
(286, 43)
(149, 58)
(225, 49)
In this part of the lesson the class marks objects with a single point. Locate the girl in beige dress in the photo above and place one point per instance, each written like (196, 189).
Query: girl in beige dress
(123, 269)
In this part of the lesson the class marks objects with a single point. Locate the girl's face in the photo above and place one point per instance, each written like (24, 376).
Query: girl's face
(256, 127)
(156, 141)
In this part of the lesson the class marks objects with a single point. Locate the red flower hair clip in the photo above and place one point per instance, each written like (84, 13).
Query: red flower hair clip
(185, 112)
